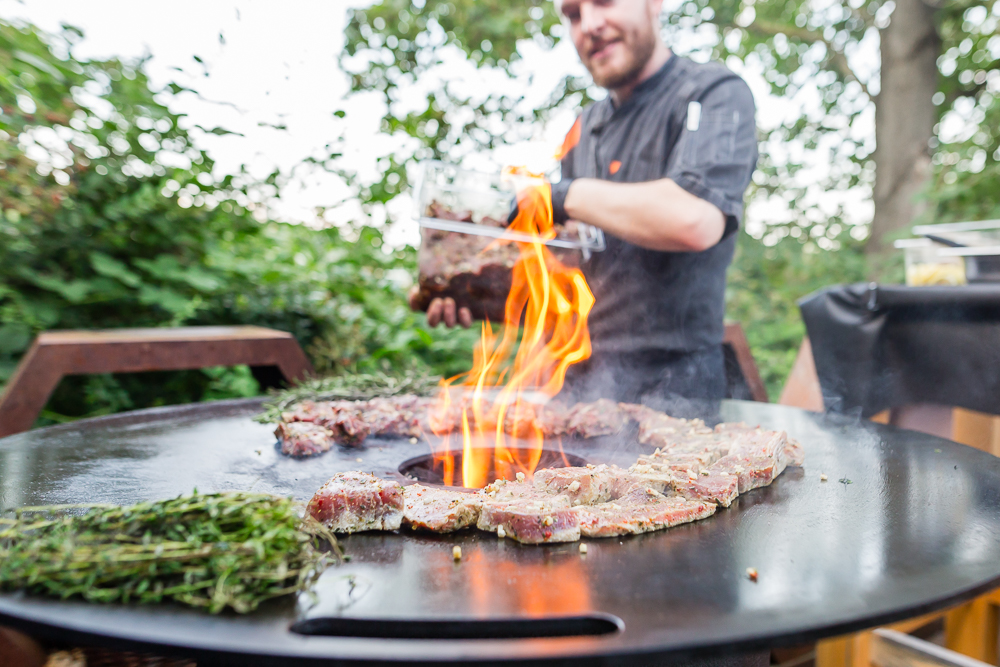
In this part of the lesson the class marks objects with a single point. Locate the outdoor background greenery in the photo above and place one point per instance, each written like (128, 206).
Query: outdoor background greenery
(112, 217)
(97, 231)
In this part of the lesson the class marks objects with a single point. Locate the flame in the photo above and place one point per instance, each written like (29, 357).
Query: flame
(553, 302)
(571, 140)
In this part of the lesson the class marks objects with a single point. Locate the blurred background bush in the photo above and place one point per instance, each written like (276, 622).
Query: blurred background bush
(101, 234)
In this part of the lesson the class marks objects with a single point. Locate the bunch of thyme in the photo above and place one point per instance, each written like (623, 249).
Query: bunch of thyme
(352, 387)
(206, 550)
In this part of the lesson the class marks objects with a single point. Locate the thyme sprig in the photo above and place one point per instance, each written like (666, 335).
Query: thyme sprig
(205, 550)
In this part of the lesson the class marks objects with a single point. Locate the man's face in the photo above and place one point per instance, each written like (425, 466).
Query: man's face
(615, 38)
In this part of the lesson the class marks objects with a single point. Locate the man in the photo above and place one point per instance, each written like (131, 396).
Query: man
(661, 166)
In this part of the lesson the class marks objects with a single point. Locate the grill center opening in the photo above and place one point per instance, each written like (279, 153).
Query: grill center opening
(426, 470)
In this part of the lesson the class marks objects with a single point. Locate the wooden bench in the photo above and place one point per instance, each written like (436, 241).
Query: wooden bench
(56, 354)
(742, 376)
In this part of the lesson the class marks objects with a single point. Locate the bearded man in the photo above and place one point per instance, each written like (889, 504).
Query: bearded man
(661, 165)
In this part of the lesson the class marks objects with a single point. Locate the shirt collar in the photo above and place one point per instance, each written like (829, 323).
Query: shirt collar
(645, 87)
(639, 93)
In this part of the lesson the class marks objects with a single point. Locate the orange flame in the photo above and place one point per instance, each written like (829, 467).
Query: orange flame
(571, 140)
(553, 302)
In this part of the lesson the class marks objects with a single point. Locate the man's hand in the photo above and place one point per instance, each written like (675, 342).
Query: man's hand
(443, 310)
(559, 190)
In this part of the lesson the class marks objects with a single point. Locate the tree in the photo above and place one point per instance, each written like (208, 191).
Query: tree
(111, 216)
(936, 59)
(938, 71)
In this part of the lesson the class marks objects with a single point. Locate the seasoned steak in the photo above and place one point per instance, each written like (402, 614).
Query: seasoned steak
(659, 429)
(399, 416)
(713, 464)
(528, 514)
(439, 510)
(757, 457)
(349, 423)
(793, 453)
(716, 484)
(532, 521)
(584, 485)
(552, 419)
(352, 502)
(303, 438)
(348, 427)
(589, 420)
(641, 510)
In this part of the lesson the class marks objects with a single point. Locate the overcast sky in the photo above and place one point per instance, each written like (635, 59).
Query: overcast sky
(273, 62)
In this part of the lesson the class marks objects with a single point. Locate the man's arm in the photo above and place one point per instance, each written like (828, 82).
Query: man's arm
(659, 215)
(699, 198)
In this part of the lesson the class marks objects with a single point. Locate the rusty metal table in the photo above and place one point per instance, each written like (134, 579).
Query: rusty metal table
(916, 529)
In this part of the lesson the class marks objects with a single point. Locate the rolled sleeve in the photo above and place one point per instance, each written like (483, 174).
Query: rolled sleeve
(714, 158)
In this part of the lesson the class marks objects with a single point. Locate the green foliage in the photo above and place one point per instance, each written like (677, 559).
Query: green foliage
(799, 46)
(766, 281)
(212, 551)
(805, 51)
(111, 217)
(393, 44)
(967, 170)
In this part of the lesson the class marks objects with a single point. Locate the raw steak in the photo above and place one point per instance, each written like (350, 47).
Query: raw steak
(352, 502)
(475, 271)
(439, 510)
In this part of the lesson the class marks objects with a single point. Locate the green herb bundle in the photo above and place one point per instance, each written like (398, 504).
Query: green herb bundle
(352, 387)
(206, 550)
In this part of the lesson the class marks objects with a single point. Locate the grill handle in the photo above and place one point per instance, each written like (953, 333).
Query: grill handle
(586, 625)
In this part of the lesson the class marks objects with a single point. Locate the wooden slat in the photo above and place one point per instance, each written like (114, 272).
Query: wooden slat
(972, 629)
(60, 353)
(802, 388)
(736, 339)
(976, 429)
(890, 648)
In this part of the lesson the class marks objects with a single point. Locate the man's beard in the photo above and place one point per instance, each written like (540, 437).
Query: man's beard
(640, 50)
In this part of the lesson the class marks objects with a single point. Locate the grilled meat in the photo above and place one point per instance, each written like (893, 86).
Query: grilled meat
(715, 484)
(352, 502)
(303, 438)
(583, 486)
(693, 471)
(589, 420)
(529, 515)
(439, 510)
(640, 510)
(349, 423)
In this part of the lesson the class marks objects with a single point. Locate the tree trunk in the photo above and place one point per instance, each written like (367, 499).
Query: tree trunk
(904, 118)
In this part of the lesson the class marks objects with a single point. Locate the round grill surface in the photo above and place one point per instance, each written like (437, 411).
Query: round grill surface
(912, 525)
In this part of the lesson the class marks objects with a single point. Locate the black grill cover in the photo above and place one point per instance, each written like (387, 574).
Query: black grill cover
(883, 346)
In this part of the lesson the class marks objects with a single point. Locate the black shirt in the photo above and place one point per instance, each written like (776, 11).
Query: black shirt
(667, 301)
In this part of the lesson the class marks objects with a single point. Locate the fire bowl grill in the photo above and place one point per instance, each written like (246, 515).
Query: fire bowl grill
(917, 529)
(429, 468)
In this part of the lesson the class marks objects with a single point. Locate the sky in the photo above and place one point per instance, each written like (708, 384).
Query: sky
(267, 63)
